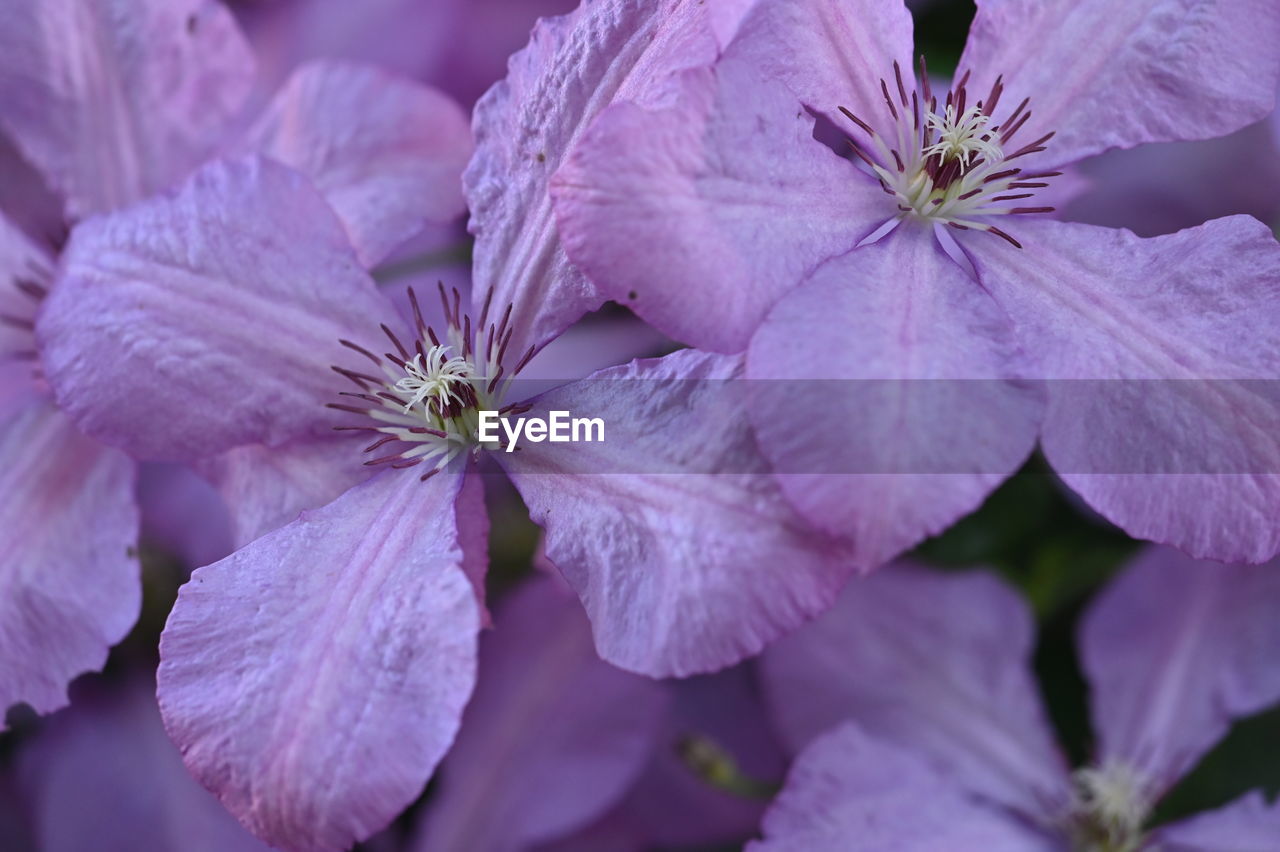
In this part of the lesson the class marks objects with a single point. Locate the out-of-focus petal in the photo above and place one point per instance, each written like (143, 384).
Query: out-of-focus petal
(314, 679)
(938, 663)
(25, 197)
(1159, 189)
(552, 738)
(183, 514)
(672, 531)
(23, 263)
(267, 487)
(1161, 357)
(1248, 824)
(102, 775)
(1175, 650)
(1114, 75)
(385, 152)
(115, 101)
(884, 395)
(197, 322)
(69, 581)
(526, 125)
(852, 792)
(700, 214)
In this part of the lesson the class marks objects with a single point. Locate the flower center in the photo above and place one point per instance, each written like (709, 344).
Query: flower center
(1108, 809)
(950, 166)
(425, 406)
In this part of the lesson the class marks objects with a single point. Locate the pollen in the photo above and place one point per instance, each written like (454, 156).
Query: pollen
(1109, 807)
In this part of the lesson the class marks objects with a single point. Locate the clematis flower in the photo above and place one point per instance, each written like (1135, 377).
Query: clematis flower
(167, 88)
(902, 298)
(919, 726)
(315, 677)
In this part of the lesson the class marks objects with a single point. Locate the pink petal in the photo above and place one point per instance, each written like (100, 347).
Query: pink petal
(682, 548)
(553, 737)
(69, 584)
(528, 124)
(699, 215)
(197, 322)
(852, 792)
(884, 395)
(385, 152)
(102, 775)
(1151, 348)
(1114, 75)
(1175, 650)
(314, 679)
(267, 487)
(1248, 824)
(938, 663)
(117, 101)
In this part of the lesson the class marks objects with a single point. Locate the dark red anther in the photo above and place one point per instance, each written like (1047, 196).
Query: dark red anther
(1002, 235)
(849, 115)
(395, 341)
(355, 347)
(884, 88)
(897, 75)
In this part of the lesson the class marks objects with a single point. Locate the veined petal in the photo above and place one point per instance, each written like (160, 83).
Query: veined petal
(552, 738)
(1161, 357)
(884, 395)
(1248, 824)
(699, 214)
(314, 679)
(386, 153)
(1175, 650)
(681, 546)
(115, 101)
(1114, 75)
(69, 581)
(527, 125)
(852, 792)
(197, 322)
(102, 775)
(937, 663)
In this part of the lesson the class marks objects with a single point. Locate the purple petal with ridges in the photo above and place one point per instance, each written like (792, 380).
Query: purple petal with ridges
(1107, 75)
(672, 531)
(851, 792)
(553, 737)
(208, 319)
(115, 101)
(386, 153)
(1161, 357)
(886, 395)
(938, 663)
(1175, 650)
(314, 679)
(69, 579)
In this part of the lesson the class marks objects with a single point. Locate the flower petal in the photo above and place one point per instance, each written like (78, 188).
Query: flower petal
(117, 101)
(1161, 356)
(552, 738)
(700, 214)
(1248, 824)
(385, 152)
(1114, 75)
(682, 548)
(267, 487)
(851, 792)
(526, 125)
(314, 679)
(21, 260)
(938, 663)
(1175, 650)
(194, 323)
(183, 514)
(884, 395)
(69, 582)
(102, 775)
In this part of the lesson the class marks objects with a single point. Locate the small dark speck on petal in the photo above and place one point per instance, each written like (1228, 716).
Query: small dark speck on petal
(632, 295)
(192, 23)
(131, 552)
(542, 156)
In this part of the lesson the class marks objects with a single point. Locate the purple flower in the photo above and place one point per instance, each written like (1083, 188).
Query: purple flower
(921, 727)
(314, 678)
(718, 217)
(112, 106)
